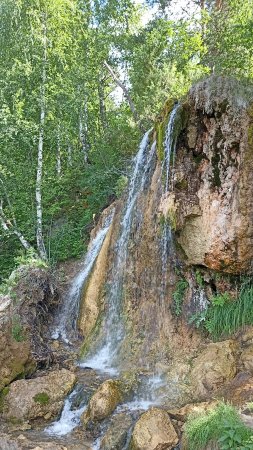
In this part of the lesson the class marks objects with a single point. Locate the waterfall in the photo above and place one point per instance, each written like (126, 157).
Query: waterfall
(68, 314)
(113, 327)
(169, 153)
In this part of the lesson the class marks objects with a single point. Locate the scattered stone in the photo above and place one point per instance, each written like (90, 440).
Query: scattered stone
(181, 414)
(116, 436)
(103, 402)
(154, 431)
(36, 398)
(213, 367)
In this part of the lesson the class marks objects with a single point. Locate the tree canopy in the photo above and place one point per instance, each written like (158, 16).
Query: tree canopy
(79, 81)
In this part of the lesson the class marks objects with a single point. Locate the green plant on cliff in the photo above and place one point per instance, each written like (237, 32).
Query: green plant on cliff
(17, 329)
(224, 315)
(178, 296)
(42, 398)
(221, 424)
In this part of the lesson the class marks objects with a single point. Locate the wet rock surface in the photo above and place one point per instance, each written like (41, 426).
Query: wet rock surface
(116, 436)
(40, 397)
(154, 431)
(103, 402)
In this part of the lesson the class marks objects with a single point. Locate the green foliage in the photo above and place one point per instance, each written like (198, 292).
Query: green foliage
(3, 394)
(42, 398)
(17, 330)
(221, 424)
(178, 296)
(199, 279)
(224, 316)
(121, 185)
(31, 259)
(86, 130)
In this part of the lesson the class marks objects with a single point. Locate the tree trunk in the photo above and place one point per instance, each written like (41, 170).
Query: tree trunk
(102, 102)
(70, 155)
(126, 94)
(83, 133)
(58, 156)
(39, 232)
(7, 226)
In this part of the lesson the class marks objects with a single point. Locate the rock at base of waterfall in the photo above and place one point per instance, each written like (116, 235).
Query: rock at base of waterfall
(247, 359)
(182, 414)
(154, 431)
(116, 435)
(213, 367)
(36, 398)
(103, 402)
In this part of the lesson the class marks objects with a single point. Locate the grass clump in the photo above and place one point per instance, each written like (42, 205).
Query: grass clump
(222, 425)
(178, 296)
(42, 398)
(224, 316)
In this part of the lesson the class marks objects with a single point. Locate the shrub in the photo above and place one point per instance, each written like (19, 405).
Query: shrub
(221, 424)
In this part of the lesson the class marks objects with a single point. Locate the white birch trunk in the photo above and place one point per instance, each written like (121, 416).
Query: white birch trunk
(70, 155)
(7, 226)
(83, 139)
(58, 158)
(39, 232)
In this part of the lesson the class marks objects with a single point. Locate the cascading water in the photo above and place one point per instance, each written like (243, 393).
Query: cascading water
(169, 153)
(104, 359)
(68, 315)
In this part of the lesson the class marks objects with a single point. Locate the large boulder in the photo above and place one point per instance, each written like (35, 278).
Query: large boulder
(116, 436)
(103, 402)
(41, 397)
(154, 431)
(213, 367)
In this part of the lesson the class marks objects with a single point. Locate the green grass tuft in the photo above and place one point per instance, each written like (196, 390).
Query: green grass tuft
(42, 398)
(222, 425)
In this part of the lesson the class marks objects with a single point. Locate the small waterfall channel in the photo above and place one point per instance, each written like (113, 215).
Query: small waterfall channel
(66, 322)
(103, 359)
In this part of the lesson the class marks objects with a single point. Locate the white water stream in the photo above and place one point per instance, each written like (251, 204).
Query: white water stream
(68, 314)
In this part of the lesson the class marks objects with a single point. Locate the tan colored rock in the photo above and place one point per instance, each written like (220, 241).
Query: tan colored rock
(181, 414)
(91, 302)
(154, 431)
(35, 398)
(247, 359)
(213, 367)
(103, 402)
(219, 178)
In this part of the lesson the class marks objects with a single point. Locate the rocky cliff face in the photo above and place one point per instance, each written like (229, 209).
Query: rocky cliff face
(212, 201)
(209, 206)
